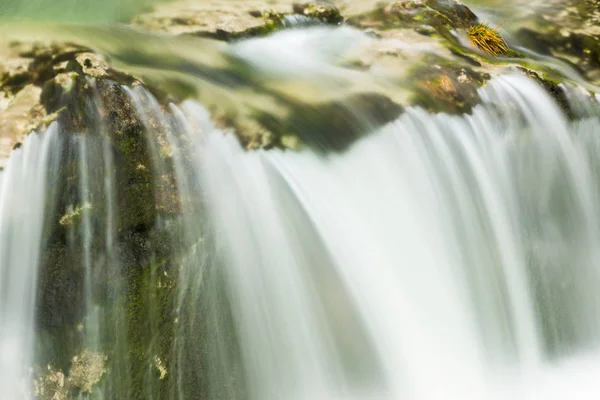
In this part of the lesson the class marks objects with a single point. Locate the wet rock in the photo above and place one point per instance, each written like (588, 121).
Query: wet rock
(232, 22)
(73, 215)
(210, 19)
(36, 79)
(459, 15)
(50, 384)
(160, 367)
(444, 87)
(566, 30)
(60, 305)
(326, 14)
(84, 94)
(251, 133)
(336, 125)
(93, 65)
(22, 114)
(441, 16)
(553, 89)
(86, 370)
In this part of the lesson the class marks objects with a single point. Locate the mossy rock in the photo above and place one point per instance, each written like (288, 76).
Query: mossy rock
(273, 21)
(459, 15)
(88, 100)
(335, 125)
(323, 13)
(442, 16)
(444, 86)
(553, 89)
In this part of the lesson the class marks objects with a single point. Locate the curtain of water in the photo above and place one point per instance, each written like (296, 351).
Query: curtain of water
(23, 187)
(440, 258)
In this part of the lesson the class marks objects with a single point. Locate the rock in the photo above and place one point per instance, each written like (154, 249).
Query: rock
(459, 15)
(335, 125)
(324, 13)
(443, 86)
(208, 18)
(553, 89)
(231, 22)
(35, 79)
(82, 92)
(566, 30)
(21, 115)
(50, 385)
(440, 15)
(160, 367)
(93, 65)
(86, 370)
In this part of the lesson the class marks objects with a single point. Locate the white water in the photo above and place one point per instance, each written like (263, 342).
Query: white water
(440, 258)
(22, 212)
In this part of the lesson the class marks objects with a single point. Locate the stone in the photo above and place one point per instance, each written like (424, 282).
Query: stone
(86, 370)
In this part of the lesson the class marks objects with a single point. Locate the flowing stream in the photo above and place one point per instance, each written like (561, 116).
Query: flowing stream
(438, 257)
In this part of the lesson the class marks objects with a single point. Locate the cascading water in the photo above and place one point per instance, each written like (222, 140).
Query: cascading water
(440, 258)
(436, 257)
(23, 203)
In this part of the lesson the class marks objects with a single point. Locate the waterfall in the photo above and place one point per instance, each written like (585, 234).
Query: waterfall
(442, 257)
(435, 257)
(23, 203)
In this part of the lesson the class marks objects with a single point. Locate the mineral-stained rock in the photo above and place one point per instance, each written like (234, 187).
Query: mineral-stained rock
(442, 86)
(86, 370)
(50, 384)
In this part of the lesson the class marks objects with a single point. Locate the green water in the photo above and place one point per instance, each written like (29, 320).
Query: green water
(74, 11)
